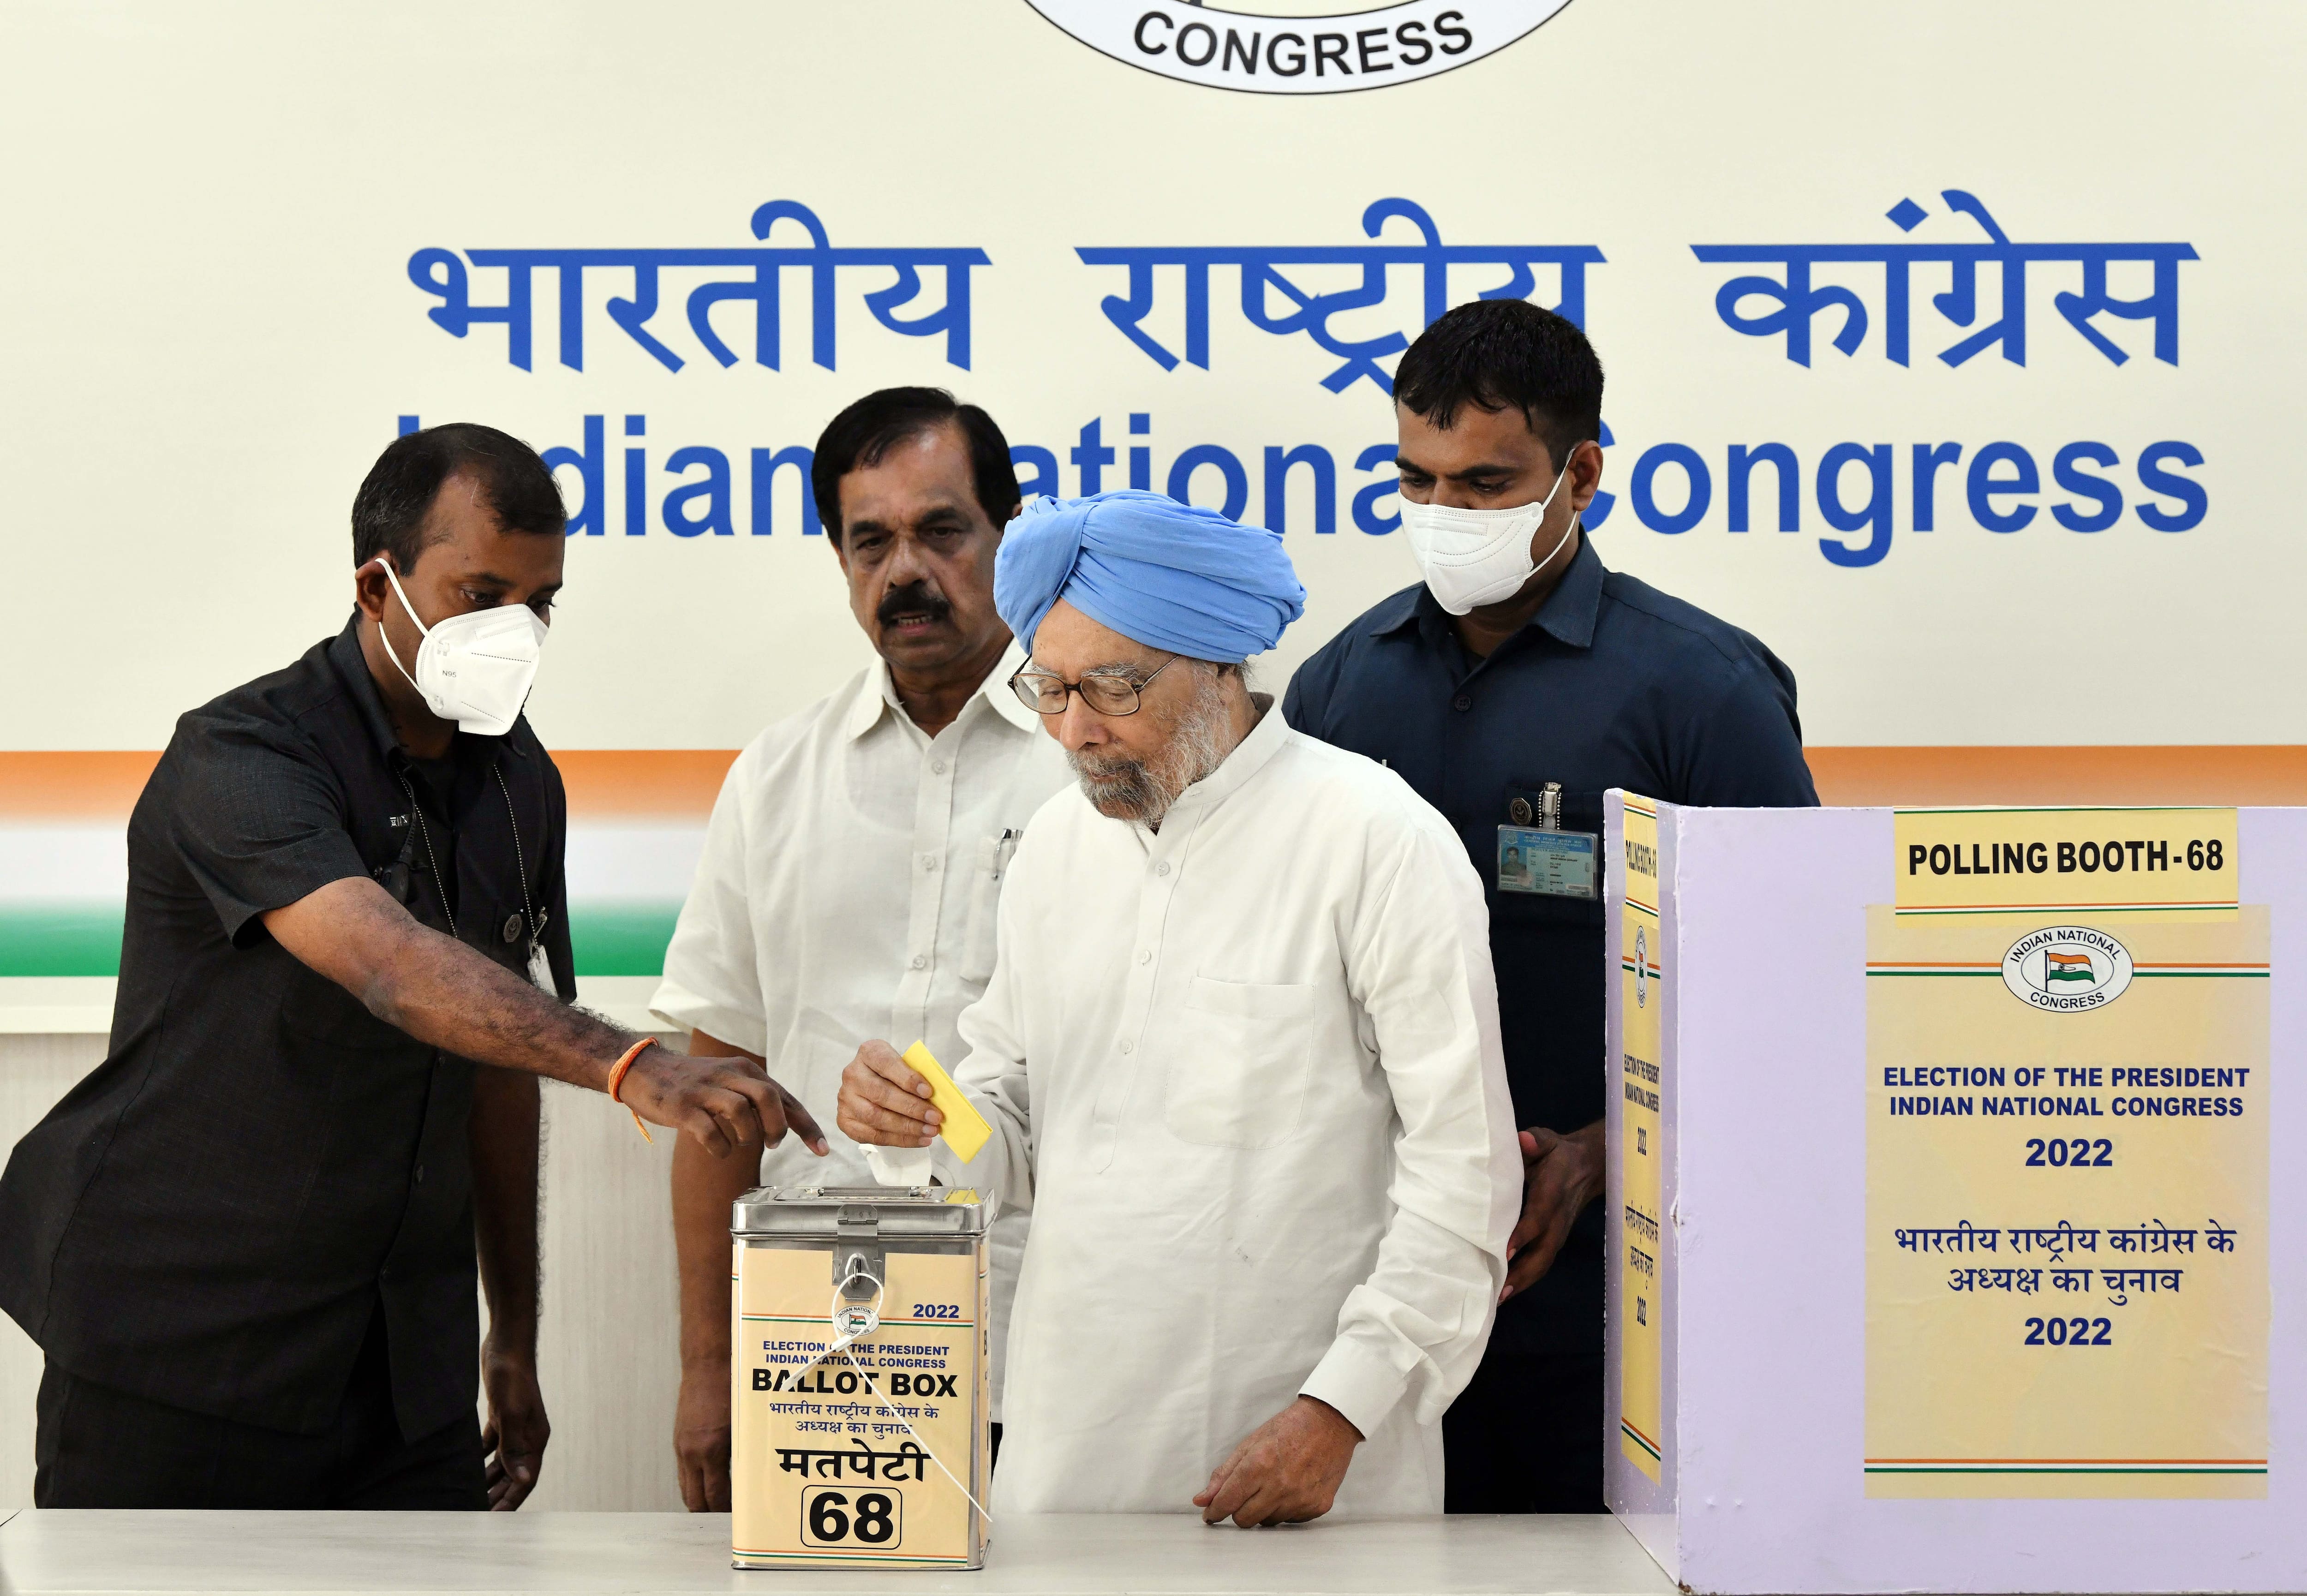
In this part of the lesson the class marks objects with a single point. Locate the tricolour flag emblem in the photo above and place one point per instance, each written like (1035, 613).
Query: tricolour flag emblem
(2067, 966)
(2067, 969)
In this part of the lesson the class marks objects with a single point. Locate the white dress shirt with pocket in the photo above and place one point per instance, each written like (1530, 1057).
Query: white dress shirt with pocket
(848, 892)
(1246, 1071)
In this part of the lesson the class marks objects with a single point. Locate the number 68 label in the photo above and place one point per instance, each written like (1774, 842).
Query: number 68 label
(833, 1515)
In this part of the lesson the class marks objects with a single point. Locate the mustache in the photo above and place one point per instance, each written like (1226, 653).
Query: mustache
(1120, 787)
(1085, 763)
(1141, 790)
(915, 598)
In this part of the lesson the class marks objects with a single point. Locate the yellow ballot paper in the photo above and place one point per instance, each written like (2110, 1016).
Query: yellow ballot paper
(965, 1130)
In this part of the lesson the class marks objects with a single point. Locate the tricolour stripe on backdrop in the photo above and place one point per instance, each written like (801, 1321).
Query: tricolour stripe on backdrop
(637, 818)
(636, 825)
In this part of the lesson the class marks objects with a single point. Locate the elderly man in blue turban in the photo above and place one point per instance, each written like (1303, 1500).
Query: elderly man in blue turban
(1239, 1052)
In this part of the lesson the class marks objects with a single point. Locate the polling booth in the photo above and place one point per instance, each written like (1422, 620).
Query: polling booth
(1949, 1241)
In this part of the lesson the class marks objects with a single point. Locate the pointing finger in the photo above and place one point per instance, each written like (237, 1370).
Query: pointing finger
(805, 1123)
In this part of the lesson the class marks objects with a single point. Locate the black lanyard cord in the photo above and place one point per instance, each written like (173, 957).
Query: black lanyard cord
(432, 863)
(535, 927)
(520, 862)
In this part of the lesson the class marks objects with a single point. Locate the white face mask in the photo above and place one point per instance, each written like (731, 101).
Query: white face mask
(475, 668)
(1474, 557)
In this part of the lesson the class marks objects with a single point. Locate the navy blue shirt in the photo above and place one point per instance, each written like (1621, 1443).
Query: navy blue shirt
(1611, 684)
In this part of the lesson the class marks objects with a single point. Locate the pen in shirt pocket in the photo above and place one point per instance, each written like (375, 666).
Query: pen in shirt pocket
(1002, 850)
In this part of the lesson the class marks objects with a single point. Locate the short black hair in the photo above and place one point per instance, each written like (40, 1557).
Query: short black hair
(869, 429)
(1507, 354)
(389, 510)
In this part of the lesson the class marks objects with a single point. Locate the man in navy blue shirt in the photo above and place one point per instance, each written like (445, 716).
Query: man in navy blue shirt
(1511, 688)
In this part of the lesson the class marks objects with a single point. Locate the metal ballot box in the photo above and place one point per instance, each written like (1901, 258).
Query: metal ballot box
(861, 1397)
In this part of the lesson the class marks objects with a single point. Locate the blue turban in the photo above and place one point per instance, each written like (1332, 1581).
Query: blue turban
(1167, 575)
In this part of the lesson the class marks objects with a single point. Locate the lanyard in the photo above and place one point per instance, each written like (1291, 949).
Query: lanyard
(530, 921)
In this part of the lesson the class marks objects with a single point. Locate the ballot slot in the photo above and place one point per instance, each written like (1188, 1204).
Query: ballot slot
(860, 1402)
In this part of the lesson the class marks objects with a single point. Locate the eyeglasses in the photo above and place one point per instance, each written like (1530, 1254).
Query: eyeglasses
(1107, 692)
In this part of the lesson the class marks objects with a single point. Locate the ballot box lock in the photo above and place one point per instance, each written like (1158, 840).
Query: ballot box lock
(857, 1271)
(860, 1402)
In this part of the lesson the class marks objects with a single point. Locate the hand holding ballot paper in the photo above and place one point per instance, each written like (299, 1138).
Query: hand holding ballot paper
(894, 1100)
(965, 1130)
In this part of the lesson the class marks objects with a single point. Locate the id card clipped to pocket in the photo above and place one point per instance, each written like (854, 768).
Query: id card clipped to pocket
(1552, 863)
(1544, 859)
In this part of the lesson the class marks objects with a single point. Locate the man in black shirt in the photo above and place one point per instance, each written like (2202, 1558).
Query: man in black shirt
(1512, 688)
(246, 1242)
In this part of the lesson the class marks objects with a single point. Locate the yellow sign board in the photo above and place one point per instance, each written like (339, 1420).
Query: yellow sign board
(2067, 1222)
(1641, 984)
(2065, 861)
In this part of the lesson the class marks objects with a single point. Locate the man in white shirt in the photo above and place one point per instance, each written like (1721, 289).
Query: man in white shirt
(1240, 1053)
(856, 852)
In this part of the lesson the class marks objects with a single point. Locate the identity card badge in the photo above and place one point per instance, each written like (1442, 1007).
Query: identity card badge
(1543, 858)
(1551, 863)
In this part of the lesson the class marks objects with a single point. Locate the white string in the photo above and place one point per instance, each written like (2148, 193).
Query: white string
(910, 1431)
(842, 1344)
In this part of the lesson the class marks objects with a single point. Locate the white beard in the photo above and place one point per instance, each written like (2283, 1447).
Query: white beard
(1122, 788)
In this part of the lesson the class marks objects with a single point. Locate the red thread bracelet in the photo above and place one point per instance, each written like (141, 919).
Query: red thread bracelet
(617, 1085)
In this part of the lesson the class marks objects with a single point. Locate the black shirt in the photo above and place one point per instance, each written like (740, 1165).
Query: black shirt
(1611, 684)
(211, 1217)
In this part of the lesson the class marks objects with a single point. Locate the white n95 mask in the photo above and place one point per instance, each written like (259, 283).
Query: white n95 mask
(475, 668)
(1473, 557)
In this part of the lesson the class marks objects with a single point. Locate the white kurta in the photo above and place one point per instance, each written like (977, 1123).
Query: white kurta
(1246, 1071)
(846, 892)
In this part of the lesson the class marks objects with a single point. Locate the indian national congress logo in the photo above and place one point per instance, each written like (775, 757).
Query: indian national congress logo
(2067, 969)
(1335, 53)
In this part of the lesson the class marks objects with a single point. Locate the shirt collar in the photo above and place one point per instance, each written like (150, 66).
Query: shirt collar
(1568, 615)
(1401, 610)
(1251, 755)
(352, 668)
(1005, 703)
(877, 695)
(1569, 611)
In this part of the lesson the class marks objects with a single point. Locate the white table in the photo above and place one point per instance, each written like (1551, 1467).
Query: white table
(478, 1554)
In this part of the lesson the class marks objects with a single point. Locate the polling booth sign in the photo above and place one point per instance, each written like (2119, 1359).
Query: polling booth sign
(1967, 1261)
(1993, 999)
(1930, 362)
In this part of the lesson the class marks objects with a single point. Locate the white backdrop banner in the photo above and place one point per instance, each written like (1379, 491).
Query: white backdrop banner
(1945, 345)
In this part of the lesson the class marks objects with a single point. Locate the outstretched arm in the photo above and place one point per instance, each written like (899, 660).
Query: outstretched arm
(442, 992)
